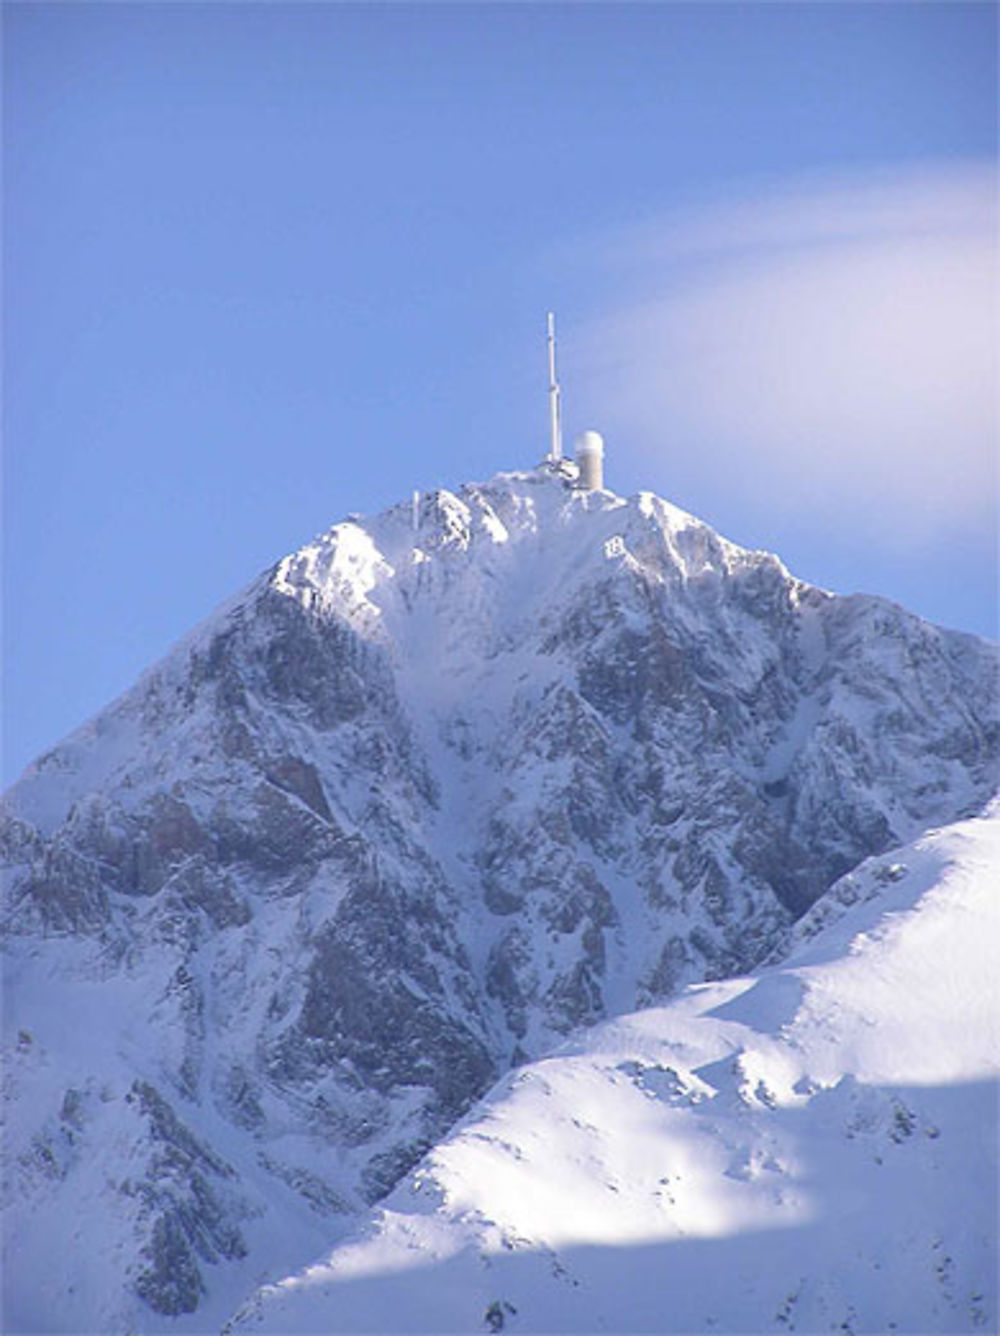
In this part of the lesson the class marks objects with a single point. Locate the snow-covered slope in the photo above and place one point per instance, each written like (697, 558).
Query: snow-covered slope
(417, 804)
(809, 1149)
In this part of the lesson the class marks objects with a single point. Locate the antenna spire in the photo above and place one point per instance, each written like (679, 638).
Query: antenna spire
(555, 424)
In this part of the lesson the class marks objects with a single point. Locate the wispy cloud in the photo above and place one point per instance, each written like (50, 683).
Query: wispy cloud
(830, 344)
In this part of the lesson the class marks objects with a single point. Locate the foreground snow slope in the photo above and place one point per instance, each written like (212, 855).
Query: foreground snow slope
(812, 1148)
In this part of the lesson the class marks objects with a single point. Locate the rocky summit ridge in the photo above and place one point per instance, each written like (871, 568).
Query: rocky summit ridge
(438, 789)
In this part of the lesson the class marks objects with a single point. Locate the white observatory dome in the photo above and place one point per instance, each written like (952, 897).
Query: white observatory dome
(588, 449)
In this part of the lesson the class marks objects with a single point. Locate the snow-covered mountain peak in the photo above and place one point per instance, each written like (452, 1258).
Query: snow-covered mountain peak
(528, 533)
(442, 788)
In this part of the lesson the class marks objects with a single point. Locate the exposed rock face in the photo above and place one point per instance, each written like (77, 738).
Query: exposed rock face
(419, 803)
(184, 1216)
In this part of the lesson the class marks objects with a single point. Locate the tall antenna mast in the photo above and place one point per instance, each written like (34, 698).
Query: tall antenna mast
(555, 425)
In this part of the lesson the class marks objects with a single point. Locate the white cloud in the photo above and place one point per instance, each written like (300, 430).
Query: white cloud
(828, 345)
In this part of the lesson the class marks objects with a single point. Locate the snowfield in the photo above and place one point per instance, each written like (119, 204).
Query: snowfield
(809, 1149)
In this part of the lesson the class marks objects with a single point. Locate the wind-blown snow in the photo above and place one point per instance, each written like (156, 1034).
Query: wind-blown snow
(812, 1148)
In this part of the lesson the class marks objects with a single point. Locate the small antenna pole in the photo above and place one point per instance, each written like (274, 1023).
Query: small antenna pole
(555, 425)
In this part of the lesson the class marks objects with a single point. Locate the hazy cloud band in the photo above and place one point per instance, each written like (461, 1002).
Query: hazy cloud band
(828, 344)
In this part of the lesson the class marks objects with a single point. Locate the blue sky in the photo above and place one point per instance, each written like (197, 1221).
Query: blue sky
(266, 264)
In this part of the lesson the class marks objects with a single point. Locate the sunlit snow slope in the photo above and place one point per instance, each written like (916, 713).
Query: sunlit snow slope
(808, 1149)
